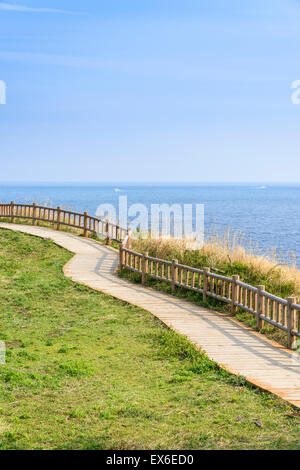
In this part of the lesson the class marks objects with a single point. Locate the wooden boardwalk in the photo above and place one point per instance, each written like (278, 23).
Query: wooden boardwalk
(235, 347)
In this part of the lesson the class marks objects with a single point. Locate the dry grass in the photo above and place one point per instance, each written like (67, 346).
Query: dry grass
(229, 253)
(221, 248)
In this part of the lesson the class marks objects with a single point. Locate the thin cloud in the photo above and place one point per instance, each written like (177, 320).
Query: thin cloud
(13, 7)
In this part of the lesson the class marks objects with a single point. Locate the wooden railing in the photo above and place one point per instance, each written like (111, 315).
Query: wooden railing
(59, 217)
(283, 314)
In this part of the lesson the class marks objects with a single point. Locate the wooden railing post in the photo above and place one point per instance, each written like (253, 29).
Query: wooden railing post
(146, 264)
(129, 239)
(58, 217)
(121, 258)
(107, 242)
(260, 308)
(174, 274)
(291, 321)
(144, 268)
(12, 211)
(205, 283)
(85, 224)
(234, 291)
(34, 213)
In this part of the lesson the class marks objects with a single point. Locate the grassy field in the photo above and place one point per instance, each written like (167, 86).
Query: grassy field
(86, 371)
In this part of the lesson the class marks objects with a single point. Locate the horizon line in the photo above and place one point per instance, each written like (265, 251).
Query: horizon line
(112, 182)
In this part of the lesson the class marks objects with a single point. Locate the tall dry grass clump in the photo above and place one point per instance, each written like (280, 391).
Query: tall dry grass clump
(228, 253)
(162, 248)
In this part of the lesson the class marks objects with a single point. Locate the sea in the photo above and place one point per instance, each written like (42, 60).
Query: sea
(266, 215)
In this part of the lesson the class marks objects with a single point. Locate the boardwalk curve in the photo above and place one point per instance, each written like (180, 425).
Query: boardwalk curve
(237, 348)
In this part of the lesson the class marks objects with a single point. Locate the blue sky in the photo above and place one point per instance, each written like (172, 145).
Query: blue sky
(152, 90)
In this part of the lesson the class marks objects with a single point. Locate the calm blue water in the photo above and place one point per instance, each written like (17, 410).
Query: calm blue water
(270, 216)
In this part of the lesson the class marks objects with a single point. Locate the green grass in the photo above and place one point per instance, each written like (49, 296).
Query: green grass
(86, 371)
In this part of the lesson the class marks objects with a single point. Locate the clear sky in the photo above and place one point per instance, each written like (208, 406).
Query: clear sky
(150, 90)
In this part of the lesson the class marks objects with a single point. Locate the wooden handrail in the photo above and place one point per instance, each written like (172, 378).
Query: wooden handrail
(278, 312)
(60, 216)
(281, 313)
